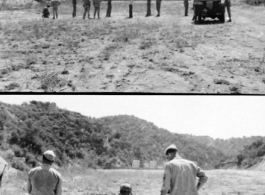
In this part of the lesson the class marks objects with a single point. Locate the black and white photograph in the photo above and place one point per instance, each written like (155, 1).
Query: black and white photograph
(124, 145)
(143, 46)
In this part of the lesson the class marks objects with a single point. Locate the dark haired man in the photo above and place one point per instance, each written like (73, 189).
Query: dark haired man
(46, 12)
(180, 175)
(44, 179)
(125, 189)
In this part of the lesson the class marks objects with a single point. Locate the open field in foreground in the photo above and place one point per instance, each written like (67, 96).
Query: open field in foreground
(165, 54)
(144, 182)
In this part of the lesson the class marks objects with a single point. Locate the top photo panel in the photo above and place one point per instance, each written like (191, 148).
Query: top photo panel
(129, 46)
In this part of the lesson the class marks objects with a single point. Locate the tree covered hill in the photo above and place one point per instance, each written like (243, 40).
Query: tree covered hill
(27, 130)
(230, 147)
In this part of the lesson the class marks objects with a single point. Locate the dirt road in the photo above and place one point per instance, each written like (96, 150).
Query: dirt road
(169, 54)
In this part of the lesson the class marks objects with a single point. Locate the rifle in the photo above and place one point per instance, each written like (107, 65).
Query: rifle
(1, 176)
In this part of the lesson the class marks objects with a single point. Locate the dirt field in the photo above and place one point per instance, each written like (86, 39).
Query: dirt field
(168, 54)
(107, 182)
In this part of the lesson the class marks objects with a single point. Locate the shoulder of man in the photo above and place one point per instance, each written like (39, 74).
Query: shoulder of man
(34, 169)
(56, 172)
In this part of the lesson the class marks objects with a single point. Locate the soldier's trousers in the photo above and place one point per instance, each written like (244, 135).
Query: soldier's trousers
(186, 5)
(86, 10)
(158, 6)
(130, 11)
(55, 12)
(109, 10)
(148, 8)
(74, 10)
(229, 11)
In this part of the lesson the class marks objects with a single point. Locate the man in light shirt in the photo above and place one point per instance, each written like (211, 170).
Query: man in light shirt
(45, 180)
(180, 175)
(55, 4)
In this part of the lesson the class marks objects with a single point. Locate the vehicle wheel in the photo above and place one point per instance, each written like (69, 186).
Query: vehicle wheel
(222, 18)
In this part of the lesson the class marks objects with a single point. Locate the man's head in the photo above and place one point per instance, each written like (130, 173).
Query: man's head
(48, 157)
(171, 151)
(125, 189)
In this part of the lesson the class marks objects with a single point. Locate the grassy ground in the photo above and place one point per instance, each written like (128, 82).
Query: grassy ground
(144, 182)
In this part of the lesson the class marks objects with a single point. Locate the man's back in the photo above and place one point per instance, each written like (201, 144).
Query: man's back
(180, 177)
(44, 180)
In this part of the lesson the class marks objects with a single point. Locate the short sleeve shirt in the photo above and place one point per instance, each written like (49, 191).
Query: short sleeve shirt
(180, 177)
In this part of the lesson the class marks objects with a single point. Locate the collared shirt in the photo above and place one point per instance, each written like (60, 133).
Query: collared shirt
(44, 180)
(180, 177)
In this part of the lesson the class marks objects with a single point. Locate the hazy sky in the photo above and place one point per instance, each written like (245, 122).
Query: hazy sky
(215, 116)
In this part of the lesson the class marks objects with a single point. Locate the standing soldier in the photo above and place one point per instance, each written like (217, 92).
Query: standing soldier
(74, 8)
(109, 9)
(45, 179)
(148, 8)
(186, 5)
(55, 4)
(158, 6)
(131, 9)
(180, 175)
(228, 6)
(96, 4)
(86, 5)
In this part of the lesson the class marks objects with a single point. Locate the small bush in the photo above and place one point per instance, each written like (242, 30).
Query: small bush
(50, 81)
(20, 166)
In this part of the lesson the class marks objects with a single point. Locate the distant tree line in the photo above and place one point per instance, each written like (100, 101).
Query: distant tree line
(104, 142)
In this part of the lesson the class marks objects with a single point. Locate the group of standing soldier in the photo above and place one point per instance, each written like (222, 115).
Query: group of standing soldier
(179, 176)
(96, 3)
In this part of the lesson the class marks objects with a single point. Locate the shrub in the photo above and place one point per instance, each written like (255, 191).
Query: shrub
(20, 166)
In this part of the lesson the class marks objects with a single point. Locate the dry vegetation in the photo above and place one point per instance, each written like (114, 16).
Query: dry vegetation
(144, 182)
(166, 54)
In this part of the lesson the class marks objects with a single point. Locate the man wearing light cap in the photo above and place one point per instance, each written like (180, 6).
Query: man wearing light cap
(125, 189)
(44, 180)
(180, 175)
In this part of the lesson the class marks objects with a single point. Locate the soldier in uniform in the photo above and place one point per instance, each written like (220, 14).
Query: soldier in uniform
(86, 5)
(125, 189)
(44, 179)
(131, 9)
(158, 6)
(74, 8)
(46, 12)
(109, 9)
(228, 6)
(148, 8)
(55, 4)
(186, 5)
(180, 175)
(96, 4)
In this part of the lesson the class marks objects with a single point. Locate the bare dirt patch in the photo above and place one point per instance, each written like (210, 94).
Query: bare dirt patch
(168, 54)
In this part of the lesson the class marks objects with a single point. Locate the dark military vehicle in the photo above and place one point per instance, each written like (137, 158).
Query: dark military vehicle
(209, 8)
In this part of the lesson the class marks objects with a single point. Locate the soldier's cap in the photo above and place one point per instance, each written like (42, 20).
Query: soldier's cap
(125, 188)
(49, 155)
(171, 147)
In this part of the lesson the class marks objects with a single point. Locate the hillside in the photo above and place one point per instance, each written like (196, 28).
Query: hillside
(230, 147)
(27, 130)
